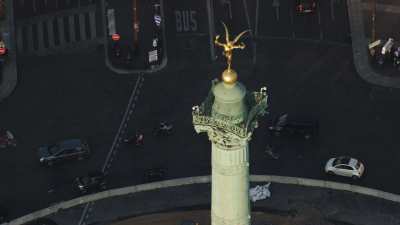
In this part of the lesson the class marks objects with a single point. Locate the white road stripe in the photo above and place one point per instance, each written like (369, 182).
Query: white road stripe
(321, 34)
(50, 32)
(292, 22)
(61, 28)
(82, 25)
(92, 24)
(40, 37)
(114, 146)
(71, 27)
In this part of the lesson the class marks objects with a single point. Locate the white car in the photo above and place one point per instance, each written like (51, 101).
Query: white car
(345, 166)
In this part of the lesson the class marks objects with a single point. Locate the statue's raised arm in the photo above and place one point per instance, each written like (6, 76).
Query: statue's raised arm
(230, 45)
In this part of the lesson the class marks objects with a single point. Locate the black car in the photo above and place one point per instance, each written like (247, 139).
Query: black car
(94, 181)
(64, 150)
(154, 174)
(283, 126)
(306, 6)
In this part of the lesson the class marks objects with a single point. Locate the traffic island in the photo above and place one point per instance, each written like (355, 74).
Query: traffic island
(124, 55)
(361, 52)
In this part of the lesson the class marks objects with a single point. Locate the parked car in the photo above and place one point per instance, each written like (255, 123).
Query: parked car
(64, 150)
(306, 6)
(92, 182)
(154, 174)
(345, 166)
(285, 126)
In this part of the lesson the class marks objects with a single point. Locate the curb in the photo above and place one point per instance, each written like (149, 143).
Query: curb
(10, 78)
(122, 71)
(360, 53)
(202, 180)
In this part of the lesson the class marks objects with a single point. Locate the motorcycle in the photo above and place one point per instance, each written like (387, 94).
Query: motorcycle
(270, 151)
(164, 129)
(138, 138)
(7, 140)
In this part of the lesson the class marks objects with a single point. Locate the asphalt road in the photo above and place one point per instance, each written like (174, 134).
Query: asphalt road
(76, 96)
(58, 97)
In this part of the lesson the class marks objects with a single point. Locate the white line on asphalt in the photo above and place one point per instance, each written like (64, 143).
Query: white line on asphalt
(256, 22)
(211, 29)
(246, 11)
(321, 34)
(292, 22)
(84, 214)
(332, 11)
(114, 146)
(276, 5)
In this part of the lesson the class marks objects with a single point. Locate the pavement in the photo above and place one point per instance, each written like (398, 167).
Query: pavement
(288, 204)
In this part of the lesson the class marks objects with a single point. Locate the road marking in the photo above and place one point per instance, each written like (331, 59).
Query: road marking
(82, 26)
(332, 10)
(92, 24)
(61, 33)
(50, 32)
(71, 22)
(40, 37)
(256, 22)
(321, 34)
(113, 150)
(85, 213)
(292, 22)
(276, 4)
(124, 119)
(246, 11)
(211, 29)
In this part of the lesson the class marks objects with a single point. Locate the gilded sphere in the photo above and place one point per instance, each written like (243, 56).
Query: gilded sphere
(229, 76)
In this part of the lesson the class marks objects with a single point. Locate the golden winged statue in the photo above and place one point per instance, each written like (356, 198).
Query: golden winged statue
(230, 45)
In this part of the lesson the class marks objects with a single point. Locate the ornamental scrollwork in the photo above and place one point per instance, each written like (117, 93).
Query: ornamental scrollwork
(205, 122)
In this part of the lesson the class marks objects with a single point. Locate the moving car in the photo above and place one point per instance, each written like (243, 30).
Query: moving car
(306, 6)
(154, 174)
(94, 181)
(285, 126)
(345, 166)
(64, 150)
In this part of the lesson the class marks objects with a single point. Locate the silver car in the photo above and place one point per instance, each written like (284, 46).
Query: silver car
(345, 166)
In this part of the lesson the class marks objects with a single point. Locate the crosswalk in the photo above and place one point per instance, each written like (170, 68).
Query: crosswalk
(52, 33)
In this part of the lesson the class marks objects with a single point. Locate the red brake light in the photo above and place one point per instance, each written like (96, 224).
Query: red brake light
(300, 8)
(3, 51)
(115, 37)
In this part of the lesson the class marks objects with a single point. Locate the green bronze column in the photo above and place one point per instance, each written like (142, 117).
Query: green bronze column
(229, 116)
